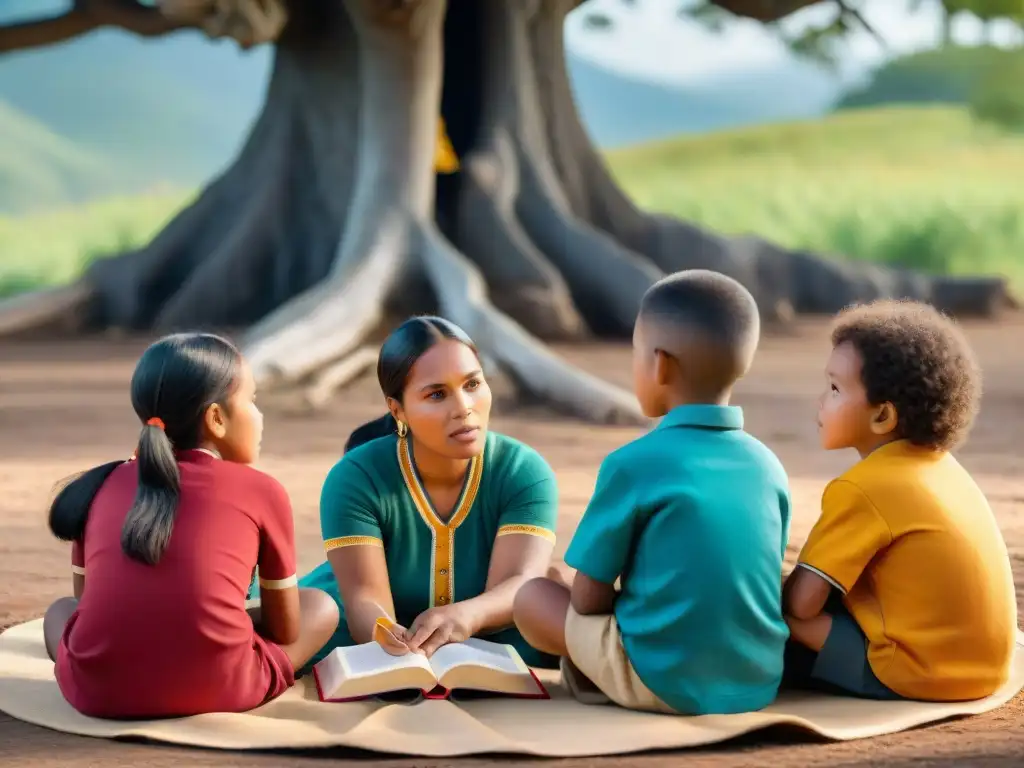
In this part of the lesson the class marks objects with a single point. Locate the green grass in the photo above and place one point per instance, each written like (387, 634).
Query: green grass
(926, 188)
(55, 247)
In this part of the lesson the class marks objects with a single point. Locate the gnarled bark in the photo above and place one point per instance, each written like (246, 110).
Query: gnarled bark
(390, 229)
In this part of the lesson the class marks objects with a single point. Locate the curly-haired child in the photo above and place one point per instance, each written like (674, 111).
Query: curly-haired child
(904, 587)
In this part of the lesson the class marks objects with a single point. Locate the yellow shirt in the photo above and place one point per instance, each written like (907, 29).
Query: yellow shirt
(910, 540)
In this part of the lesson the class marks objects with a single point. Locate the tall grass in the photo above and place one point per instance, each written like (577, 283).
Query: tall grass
(925, 188)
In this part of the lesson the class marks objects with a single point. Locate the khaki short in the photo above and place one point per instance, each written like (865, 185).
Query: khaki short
(598, 660)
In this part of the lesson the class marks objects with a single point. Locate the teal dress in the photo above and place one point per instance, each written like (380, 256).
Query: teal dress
(373, 498)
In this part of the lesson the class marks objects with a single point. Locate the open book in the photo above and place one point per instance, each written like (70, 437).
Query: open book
(366, 670)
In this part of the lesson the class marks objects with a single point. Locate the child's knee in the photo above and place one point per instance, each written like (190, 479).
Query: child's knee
(526, 597)
(538, 597)
(59, 612)
(54, 621)
(560, 573)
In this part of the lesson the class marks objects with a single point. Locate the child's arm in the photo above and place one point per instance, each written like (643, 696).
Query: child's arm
(805, 594)
(849, 533)
(591, 597)
(601, 546)
(78, 568)
(280, 612)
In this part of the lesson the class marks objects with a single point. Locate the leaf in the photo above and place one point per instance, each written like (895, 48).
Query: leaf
(598, 21)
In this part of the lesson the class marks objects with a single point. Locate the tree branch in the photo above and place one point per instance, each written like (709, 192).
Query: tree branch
(86, 16)
(764, 10)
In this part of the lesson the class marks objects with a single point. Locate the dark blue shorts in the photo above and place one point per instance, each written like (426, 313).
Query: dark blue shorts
(841, 666)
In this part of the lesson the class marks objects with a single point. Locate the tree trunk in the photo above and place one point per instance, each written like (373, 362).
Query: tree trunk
(332, 219)
(269, 226)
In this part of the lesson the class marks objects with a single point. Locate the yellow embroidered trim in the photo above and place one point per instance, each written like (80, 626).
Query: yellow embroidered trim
(78, 570)
(529, 530)
(442, 534)
(291, 581)
(352, 541)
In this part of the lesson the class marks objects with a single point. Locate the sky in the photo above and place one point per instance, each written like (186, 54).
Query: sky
(649, 41)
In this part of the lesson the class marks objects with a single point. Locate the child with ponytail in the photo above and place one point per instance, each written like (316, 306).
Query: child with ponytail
(164, 545)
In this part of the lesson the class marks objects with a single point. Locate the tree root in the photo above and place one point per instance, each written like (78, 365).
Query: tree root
(607, 280)
(487, 227)
(462, 295)
(38, 309)
(332, 318)
(339, 375)
(327, 326)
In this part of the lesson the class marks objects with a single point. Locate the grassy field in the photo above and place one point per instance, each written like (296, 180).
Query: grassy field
(922, 187)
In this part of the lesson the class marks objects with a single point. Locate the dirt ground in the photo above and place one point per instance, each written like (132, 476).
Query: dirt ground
(64, 407)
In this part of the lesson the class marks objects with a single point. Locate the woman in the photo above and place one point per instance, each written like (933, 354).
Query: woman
(430, 520)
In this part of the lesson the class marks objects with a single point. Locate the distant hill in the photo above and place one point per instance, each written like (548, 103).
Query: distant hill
(174, 110)
(170, 110)
(943, 76)
(38, 167)
(619, 110)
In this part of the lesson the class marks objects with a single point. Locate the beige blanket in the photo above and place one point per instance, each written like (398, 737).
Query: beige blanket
(560, 727)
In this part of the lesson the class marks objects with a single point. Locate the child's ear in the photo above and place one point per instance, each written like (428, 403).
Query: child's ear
(885, 419)
(215, 421)
(663, 363)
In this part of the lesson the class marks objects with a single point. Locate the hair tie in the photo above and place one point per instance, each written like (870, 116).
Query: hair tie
(155, 422)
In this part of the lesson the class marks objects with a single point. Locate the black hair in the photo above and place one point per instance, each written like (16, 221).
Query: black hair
(399, 353)
(916, 358)
(175, 381)
(714, 307)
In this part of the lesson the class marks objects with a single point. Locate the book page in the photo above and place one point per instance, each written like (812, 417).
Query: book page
(475, 652)
(370, 659)
(367, 669)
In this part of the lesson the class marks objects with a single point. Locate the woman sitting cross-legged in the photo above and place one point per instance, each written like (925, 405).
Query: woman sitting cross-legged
(429, 519)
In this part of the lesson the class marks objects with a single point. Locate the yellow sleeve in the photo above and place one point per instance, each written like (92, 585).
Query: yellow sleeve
(848, 534)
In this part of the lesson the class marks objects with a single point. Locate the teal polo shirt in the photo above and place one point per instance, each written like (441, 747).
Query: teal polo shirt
(694, 517)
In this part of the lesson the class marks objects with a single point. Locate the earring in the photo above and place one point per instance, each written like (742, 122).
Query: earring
(402, 430)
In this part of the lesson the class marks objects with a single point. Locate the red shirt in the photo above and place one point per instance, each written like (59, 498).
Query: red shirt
(174, 639)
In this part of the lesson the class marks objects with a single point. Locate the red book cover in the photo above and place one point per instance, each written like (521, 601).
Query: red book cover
(437, 694)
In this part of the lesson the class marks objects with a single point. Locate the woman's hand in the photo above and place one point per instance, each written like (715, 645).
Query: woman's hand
(439, 626)
(392, 637)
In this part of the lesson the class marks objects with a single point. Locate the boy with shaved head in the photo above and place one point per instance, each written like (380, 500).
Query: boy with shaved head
(691, 519)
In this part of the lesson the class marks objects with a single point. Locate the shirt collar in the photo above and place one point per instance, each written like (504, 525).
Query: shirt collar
(706, 416)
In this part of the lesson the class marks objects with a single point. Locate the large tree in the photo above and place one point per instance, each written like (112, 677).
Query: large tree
(332, 219)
